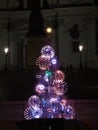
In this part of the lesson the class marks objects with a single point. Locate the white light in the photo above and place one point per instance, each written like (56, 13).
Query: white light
(40, 88)
(6, 50)
(53, 99)
(46, 78)
(54, 61)
(80, 47)
(48, 30)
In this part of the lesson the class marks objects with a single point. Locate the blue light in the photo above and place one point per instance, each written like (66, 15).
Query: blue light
(48, 73)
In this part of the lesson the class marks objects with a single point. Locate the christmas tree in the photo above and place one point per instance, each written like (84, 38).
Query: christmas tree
(50, 99)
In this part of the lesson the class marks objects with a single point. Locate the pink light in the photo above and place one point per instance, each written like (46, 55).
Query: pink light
(40, 88)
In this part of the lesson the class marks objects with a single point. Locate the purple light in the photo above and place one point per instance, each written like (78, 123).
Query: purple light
(48, 51)
(53, 100)
(34, 100)
(46, 78)
(69, 112)
(33, 112)
(54, 61)
(50, 102)
(40, 88)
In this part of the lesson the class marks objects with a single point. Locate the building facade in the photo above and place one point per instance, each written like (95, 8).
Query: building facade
(73, 22)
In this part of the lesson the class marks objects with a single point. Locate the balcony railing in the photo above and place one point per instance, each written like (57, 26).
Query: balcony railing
(15, 110)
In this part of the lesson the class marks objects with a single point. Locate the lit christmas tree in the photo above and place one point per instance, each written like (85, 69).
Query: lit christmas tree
(50, 101)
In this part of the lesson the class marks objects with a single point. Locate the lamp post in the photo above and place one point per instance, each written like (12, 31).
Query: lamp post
(6, 57)
(80, 51)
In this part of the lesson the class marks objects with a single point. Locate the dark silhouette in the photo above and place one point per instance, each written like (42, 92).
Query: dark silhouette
(74, 32)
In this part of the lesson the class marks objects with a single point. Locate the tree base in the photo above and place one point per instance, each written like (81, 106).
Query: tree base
(52, 124)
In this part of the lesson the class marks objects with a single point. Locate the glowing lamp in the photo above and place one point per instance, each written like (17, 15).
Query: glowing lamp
(48, 30)
(6, 50)
(80, 47)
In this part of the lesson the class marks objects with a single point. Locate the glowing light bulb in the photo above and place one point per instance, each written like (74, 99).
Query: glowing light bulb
(49, 30)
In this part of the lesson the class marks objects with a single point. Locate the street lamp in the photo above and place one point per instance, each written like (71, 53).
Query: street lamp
(6, 49)
(49, 30)
(80, 50)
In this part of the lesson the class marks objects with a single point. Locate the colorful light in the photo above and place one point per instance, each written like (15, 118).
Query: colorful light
(46, 78)
(48, 51)
(43, 62)
(40, 88)
(50, 102)
(54, 61)
(69, 112)
(59, 76)
(34, 100)
(53, 100)
(48, 73)
(58, 84)
(63, 102)
(33, 112)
